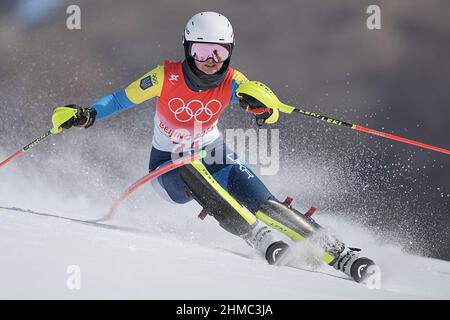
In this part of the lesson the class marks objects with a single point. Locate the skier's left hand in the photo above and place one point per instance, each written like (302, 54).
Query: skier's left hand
(261, 112)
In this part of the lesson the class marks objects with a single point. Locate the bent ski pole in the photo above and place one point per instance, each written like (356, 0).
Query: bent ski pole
(22, 151)
(149, 177)
(266, 96)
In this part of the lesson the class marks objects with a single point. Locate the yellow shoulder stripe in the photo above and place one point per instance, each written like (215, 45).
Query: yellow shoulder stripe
(146, 87)
(239, 77)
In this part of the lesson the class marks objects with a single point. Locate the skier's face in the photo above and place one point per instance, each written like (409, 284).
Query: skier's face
(209, 66)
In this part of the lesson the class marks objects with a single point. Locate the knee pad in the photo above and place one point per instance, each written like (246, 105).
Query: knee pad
(164, 194)
(171, 187)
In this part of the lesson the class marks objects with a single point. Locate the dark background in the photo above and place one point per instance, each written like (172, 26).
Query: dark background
(315, 54)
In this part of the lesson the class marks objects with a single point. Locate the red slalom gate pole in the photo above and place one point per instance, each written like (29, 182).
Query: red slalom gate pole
(149, 177)
(22, 151)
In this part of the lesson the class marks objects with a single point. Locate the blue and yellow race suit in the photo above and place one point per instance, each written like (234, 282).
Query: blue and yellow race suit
(186, 119)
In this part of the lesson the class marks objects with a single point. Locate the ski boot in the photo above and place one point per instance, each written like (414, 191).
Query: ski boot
(361, 269)
(301, 227)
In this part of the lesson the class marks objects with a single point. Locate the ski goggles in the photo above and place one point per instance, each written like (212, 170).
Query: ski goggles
(202, 51)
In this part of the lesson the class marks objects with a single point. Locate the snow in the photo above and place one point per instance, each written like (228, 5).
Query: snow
(123, 264)
(159, 251)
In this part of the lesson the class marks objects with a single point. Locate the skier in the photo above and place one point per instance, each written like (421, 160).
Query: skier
(191, 96)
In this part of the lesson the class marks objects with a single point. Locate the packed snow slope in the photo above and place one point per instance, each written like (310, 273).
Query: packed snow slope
(124, 263)
(158, 250)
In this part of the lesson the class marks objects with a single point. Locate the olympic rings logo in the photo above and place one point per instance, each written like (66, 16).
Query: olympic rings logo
(194, 110)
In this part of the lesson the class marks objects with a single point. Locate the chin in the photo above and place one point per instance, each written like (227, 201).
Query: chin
(210, 71)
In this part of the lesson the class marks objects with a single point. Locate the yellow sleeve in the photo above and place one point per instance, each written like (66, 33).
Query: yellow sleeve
(239, 77)
(146, 87)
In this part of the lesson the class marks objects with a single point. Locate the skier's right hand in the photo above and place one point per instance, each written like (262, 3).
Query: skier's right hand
(72, 115)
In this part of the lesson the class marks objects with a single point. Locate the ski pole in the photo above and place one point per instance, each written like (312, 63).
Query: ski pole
(22, 151)
(59, 117)
(371, 131)
(149, 177)
(266, 96)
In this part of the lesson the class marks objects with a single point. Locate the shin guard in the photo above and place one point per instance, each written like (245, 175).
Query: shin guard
(217, 202)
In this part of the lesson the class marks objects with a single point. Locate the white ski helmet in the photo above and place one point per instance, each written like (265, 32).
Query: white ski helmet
(209, 27)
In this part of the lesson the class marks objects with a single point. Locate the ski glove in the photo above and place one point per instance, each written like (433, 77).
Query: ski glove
(254, 106)
(81, 117)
